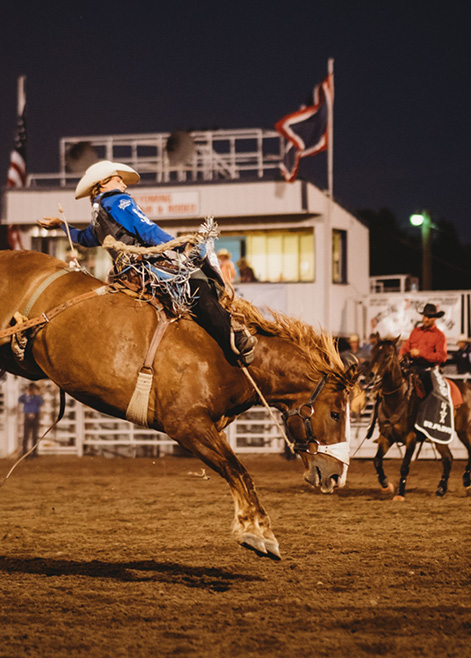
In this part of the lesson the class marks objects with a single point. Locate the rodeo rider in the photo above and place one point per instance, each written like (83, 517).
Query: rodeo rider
(426, 345)
(116, 213)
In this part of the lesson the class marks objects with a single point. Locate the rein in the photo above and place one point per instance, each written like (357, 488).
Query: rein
(290, 444)
(339, 451)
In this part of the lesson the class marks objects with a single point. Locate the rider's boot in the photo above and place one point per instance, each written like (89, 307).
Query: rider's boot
(233, 336)
(242, 344)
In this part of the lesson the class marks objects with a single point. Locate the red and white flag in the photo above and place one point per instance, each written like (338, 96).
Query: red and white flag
(306, 130)
(17, 170)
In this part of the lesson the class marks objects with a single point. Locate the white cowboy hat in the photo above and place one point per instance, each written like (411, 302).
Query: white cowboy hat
(101, 170)
(224, 253)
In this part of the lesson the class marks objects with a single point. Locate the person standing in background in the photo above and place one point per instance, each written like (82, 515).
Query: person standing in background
(32, 402)
(247, 274)
(462, 357)
(227, 266)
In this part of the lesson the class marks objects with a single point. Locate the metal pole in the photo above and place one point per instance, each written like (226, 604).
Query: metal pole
(329, 202)
(330, 131)
(426, 252)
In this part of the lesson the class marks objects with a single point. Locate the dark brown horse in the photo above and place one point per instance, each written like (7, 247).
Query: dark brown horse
(94, 350)
(463, 427)
(397, 410)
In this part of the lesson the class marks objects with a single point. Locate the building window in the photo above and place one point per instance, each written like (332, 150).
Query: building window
(339, 256)
(273, 255)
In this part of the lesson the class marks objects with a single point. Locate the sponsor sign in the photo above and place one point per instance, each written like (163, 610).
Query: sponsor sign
(397, 314)
(158, 205)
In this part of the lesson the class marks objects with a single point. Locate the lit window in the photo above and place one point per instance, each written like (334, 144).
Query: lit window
(273, 255)
(339, 256)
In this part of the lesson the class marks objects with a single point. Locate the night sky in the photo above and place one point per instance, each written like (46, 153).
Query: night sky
(402, 85)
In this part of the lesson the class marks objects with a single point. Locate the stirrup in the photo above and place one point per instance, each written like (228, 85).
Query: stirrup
(243, 345)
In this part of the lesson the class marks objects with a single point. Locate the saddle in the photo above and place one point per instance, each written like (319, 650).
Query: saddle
(435, 417)
(155, 281)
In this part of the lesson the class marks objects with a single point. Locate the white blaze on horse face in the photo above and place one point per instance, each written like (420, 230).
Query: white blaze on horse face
(328, 465)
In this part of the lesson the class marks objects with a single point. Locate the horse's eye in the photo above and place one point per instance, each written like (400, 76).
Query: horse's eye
(335, 416)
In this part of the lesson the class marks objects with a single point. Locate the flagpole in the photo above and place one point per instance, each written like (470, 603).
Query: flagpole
(21, 95)
(329, 199)
(330, 134)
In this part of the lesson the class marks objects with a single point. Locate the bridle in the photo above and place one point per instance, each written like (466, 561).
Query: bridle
(303, 446)
(376, 384)
(305, 411)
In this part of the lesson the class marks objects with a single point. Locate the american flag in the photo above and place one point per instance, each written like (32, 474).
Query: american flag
(17, 170)
(306, 131)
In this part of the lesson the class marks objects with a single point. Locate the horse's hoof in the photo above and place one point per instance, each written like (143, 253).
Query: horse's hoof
(468, 491)
(272, 548)
(389, 488)
(253, 543)
(440, 492)
(399, 499)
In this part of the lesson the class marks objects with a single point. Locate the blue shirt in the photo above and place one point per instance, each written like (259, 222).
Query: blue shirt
(33, 403)
(124, 210)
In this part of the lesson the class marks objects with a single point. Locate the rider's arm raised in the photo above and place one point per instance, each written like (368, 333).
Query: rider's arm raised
(85, 237)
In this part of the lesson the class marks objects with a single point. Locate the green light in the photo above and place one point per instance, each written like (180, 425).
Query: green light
(416, 220)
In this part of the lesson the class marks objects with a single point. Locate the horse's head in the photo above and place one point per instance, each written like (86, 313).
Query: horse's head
(319, 428)
(382, 359)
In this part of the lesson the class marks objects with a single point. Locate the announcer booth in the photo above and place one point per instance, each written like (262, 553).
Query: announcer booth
(308, 254)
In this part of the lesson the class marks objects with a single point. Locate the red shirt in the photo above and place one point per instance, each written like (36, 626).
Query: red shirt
(431, 344)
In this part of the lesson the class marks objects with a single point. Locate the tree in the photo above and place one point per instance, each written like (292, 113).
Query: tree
(397, 250)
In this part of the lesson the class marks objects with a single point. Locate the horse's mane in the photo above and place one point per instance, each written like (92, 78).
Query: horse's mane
(319, 348)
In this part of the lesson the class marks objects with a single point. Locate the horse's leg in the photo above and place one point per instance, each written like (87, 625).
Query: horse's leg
(463, 437)
(251, 523)
(447, 460)
(383, 447)
(411, 442)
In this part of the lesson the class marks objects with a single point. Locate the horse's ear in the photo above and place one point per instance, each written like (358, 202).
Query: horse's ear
(349, 360)
(396, 340)
(351, 371)
(350, 363)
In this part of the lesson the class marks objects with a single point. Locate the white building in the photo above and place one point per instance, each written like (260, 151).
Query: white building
(309, 255)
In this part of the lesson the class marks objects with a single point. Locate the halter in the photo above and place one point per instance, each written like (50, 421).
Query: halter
(339, 451)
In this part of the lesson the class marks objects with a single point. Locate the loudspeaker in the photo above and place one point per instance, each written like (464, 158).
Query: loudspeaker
(79, 157)
(180, 148)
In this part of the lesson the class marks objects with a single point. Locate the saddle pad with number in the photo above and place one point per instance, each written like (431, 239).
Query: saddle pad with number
(435, 414)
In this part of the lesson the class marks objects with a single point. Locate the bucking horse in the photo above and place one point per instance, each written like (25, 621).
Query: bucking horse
(93, 341)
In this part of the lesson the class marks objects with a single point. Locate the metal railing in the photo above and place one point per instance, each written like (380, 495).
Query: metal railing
(216, 155)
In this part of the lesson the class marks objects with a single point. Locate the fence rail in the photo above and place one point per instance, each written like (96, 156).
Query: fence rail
(84, 431)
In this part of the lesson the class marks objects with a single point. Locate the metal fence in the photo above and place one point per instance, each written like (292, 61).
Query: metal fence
(83, 431)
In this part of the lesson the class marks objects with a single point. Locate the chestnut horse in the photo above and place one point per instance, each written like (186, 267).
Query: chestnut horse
(95, 349)
(397, 409)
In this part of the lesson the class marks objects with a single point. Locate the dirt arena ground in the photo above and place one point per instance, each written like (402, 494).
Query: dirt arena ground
(134, 558)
